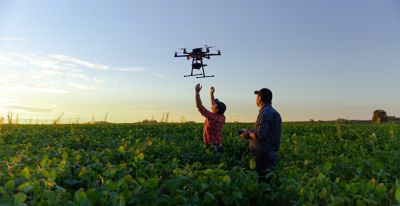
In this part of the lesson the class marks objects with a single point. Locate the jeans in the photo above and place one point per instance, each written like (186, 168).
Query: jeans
(265, 163)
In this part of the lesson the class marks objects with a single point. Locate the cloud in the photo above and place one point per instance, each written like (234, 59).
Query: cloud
(80, 62)
(30, 109)
(54, 73)
(77, 75)
(97, 80)
(7, 101)
(44, 74)
(82, 86)
(158, 75)
(132, 69)
(17, 39)
(148, 106)
(13, 104)
(32, 88)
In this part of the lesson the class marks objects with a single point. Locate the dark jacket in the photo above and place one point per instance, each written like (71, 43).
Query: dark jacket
(268, 130)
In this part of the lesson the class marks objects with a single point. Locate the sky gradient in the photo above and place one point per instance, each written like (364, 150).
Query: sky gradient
(322, 60)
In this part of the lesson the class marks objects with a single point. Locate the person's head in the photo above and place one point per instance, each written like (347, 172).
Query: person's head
(264, 96)
(218, 107)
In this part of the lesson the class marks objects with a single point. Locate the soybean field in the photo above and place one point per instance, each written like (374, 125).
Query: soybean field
(167, 164)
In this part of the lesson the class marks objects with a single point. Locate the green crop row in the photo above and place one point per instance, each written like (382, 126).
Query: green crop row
(167, 164)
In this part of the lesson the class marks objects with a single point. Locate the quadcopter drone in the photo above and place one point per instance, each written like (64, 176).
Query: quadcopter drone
(197, 56)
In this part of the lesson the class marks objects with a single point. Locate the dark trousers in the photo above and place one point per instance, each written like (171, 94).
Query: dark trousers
(265, 163)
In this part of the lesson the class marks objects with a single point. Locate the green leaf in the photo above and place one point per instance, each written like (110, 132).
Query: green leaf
(121, 149)
(113, 186)
(397, 195)
(237, 195)
(72, 182)
(122, 200)
(208, 171)
(93, 195)
(227, 179)
(10, 185)
(252, 164)
(141, 180)
(141, 156)
(328, 166)
(152, 183)
(80, 195)
(25, 173)
(64, 155)
(5, 199)
(52, 175)
(209, 198)
(44, 161)
(19, 198)
(26, 187)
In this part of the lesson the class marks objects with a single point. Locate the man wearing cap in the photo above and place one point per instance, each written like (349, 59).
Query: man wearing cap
(215, 120)
(265, 138)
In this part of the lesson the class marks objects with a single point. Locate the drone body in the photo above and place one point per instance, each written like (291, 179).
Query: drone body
(197, 56)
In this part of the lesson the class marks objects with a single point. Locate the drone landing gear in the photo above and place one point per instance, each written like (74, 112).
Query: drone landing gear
(192, 75)
(198, 64)
(204, 76)
(198, 75)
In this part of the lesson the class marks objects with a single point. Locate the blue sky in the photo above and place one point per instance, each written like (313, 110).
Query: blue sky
(322, 59)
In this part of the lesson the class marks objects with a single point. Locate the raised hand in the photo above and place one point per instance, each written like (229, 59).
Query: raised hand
(198, 88)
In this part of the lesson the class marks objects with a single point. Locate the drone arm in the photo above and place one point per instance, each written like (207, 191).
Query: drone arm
(181, 55)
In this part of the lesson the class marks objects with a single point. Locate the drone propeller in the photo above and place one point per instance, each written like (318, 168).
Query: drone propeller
(183, 50)
(208, 48)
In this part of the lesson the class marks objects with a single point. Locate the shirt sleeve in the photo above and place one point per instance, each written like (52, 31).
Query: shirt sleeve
(207, 114)
(263, 127)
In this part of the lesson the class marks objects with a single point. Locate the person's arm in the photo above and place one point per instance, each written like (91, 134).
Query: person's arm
(249, 134)
(261, 131)
(212, 90)
(199, 104)
(252, 135)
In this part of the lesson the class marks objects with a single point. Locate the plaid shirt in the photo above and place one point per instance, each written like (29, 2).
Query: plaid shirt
(213, 125)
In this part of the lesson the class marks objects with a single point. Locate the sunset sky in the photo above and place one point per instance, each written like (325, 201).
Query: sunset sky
(322, 59)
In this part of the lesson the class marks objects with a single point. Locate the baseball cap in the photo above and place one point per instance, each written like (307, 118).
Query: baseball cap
(221, 106)
(265, 94)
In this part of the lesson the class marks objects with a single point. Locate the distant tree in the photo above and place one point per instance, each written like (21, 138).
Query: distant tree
(379, 116)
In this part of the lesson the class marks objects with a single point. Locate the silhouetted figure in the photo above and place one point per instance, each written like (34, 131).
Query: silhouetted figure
(266, 136)
(215, 120)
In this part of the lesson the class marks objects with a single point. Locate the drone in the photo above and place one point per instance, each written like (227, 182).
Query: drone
(197, 56)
